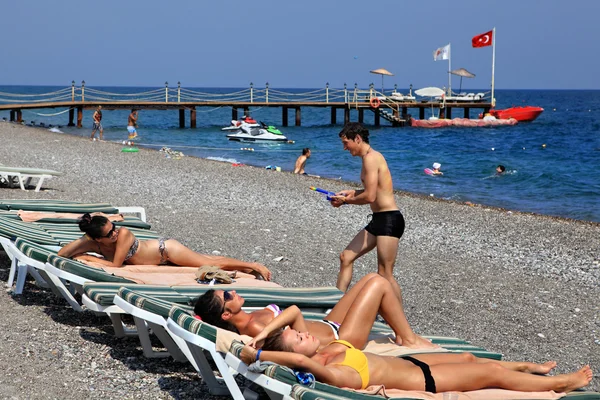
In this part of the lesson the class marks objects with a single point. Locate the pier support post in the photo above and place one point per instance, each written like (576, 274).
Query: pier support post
(79, 116)
(421, 113)
(181, 118)
(346, 115)
(442, 113)
(12, 115)
(71, 117)
(466, 112)
(234, 113)
(333, 115)
(377, 118)
(449, 112)
(298, 116)
(284, 116)
(19, 116)
(361, 115)
(193, 117)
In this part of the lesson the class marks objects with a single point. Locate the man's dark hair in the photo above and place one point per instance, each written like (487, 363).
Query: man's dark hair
(305, 151)
(502, 168)
(353, 129)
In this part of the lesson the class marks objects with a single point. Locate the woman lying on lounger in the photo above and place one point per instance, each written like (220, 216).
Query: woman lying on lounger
(341, 364)
(351, 319)
(119, 246)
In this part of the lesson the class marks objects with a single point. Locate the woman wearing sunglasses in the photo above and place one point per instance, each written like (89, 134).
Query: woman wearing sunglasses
(119, 246)
(351, 319)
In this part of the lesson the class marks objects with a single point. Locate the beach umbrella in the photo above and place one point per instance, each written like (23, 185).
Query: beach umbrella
(382, 72)
(463, 73)
(429, 92)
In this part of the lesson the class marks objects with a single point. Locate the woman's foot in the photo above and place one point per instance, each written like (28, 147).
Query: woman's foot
(417, 343)
(576, 380)
(542, 369)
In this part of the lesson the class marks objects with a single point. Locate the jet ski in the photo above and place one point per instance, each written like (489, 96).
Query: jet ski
(265, 132)
(237, 125)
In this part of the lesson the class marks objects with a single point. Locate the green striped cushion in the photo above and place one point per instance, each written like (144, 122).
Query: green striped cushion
(31, 171)
(150, 304)
(103, 293)
(84, 271)
(34, 250)
(319, 297)
(12, 229)
(57, 206)
(193, 325)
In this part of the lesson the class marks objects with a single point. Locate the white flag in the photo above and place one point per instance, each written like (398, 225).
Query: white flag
(443, 53)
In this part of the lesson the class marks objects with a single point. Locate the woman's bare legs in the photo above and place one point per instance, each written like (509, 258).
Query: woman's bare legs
(473, 376)
(375, 296)
(464, 358)
(181, 255)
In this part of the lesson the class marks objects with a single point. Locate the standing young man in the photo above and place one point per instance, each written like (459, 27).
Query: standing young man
(301, 161)
(387, 225)
(97, 117)
(132, 124)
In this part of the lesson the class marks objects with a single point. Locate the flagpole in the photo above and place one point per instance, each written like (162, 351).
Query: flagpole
(449, 69)
(493, 64)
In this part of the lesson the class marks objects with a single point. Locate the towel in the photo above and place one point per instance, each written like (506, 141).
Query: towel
(32, 216)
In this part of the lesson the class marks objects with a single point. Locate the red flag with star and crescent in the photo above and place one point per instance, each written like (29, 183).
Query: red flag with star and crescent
(485, 39)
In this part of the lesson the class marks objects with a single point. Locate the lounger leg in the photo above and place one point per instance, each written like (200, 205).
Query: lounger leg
(50, 283)
(13, 271)
(59, 284)
(167, 341)
(39, 280)
(209, 378)
(39, 185)
(120, 329)
(21, 275)
(144, 335)
(21, 182)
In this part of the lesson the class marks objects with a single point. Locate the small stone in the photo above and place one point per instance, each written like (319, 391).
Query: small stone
(577, 310)
(278, 258)
(216, 253)
(541, 335)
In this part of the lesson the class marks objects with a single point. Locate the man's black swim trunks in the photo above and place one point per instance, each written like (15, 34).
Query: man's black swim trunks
(386, 223)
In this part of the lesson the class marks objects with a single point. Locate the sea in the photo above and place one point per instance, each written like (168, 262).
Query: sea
(550, 162)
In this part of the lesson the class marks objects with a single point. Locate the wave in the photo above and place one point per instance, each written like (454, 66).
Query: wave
(223, 159)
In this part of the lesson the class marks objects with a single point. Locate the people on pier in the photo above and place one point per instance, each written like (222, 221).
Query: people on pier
(301, 161)
(118, 246)
(132, 124)
(387, 224)
(97, 120)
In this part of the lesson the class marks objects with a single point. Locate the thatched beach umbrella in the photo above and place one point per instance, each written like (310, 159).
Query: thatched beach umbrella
(382, 72)
(462, 73)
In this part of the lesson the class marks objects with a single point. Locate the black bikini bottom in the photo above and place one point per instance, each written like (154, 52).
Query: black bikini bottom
(429, 381)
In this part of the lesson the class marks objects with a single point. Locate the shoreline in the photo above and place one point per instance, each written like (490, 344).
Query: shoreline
(398, 192)
(523, 284)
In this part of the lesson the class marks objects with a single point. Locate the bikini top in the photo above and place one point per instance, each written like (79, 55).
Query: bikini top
(357, 360)
(133, 249)
(275, 309)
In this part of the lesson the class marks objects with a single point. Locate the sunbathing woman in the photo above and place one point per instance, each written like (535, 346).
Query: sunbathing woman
(351, 319)
(340, 364)
(119, 246)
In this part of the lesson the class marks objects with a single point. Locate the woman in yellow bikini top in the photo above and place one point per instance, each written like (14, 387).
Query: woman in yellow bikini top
(357, 360)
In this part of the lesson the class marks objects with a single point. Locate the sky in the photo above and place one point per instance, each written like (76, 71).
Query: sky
(550, 44)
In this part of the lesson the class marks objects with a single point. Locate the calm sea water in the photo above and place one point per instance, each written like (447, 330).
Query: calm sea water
(558, 179)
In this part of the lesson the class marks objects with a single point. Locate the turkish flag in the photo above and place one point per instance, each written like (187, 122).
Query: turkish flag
(485, 39)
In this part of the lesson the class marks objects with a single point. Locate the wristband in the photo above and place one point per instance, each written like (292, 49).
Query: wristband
(258, 354)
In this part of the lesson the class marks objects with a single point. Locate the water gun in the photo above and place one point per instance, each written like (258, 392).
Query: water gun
(325, 192)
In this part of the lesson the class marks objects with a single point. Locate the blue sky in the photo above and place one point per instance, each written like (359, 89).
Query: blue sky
(540, 45)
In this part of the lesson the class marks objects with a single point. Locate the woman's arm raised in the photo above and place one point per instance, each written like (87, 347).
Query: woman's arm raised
(79, 246)
(291, 316)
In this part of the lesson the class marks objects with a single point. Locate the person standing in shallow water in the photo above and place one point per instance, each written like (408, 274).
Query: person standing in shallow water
(387, 225)
(97, 118)
(132, 124)
(301, 161)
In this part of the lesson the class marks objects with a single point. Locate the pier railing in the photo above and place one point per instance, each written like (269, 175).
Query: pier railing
(180, 94)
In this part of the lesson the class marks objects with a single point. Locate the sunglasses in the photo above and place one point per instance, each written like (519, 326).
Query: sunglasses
(111, 232)
(227, 296)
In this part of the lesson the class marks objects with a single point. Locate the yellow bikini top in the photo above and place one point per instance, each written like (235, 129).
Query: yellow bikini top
(356, 360)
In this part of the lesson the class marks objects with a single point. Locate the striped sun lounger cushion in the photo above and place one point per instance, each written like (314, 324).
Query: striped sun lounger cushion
(84, 271)
(12, 229)
(151, 304)
(128, 220)
(34, 250)
(193, 325)
(103, 293)
(56, 206)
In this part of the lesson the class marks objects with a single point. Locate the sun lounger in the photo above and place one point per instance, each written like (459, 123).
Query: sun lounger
(57, 206)
(25, 175)
(73, 218)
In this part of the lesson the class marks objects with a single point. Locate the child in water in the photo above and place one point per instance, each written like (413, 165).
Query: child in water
(436, 169)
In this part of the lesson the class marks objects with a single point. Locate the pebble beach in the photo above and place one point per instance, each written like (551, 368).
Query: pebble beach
(521, 284)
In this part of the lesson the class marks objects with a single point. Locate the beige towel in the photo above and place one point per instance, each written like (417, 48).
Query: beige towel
(32, 216)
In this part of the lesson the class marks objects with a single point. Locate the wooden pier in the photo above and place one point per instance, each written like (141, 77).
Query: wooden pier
(396, 112)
